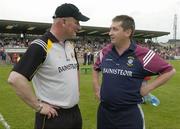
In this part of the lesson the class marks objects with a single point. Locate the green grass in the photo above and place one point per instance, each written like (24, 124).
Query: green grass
(165, 116)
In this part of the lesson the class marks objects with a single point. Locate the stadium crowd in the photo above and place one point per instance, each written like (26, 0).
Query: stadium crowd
(87, 48)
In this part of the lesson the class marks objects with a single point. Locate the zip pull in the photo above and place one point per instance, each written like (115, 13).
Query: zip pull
(67, 59)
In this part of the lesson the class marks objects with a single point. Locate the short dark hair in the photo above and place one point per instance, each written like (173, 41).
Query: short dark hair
(127, 22)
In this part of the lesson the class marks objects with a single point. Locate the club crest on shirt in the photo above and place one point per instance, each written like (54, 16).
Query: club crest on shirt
(130, 61)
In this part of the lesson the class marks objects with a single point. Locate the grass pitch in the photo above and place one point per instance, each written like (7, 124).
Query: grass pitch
(165, 116)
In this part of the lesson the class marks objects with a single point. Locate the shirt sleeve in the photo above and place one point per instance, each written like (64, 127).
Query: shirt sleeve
(155, 64)
(30, 61)
(101, 56)
(97, 64)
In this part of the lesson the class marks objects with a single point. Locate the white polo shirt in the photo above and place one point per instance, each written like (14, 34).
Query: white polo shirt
(55, 76)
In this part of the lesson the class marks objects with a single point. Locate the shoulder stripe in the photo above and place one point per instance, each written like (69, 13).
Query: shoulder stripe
(148, 57)
(147, 54)
(41, 43)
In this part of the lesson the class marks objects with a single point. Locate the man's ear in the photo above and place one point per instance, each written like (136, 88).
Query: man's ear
(128, 32)
(63, 21)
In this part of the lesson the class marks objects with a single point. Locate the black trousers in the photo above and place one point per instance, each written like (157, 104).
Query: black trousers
(66, 119)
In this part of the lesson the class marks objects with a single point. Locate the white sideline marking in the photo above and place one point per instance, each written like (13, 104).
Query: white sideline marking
(4, 123)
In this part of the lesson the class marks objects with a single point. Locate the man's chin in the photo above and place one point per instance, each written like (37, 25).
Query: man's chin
(74, 36)
(112, 42)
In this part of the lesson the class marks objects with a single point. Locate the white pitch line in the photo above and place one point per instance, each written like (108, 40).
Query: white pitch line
(4, 123)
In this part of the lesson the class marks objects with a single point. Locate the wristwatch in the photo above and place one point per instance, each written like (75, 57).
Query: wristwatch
(40, 107)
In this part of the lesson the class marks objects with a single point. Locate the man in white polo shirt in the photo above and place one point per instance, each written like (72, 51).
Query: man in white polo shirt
(51, 63)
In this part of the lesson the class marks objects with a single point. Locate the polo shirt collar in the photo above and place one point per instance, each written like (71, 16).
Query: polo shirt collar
(51, 37)
(132, 46)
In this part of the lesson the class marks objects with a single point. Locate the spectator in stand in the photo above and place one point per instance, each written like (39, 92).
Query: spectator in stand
(92, 58)
(89, 57)
(85, 57)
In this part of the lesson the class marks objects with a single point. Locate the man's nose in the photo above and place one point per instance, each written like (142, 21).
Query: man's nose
(110, 33)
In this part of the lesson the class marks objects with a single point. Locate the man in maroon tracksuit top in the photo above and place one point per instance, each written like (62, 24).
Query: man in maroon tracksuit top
(124, 64)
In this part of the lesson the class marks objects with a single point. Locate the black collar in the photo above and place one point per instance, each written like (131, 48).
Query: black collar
(50, 36)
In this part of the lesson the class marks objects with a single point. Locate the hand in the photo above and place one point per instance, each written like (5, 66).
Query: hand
(49, 110)
(144, 90)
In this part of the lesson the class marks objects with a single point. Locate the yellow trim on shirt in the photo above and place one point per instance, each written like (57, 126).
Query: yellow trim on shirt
(49, 45)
